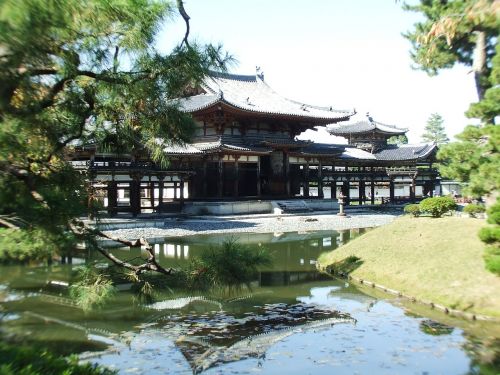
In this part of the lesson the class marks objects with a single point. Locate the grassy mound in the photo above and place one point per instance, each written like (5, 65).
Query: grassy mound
(438, 260)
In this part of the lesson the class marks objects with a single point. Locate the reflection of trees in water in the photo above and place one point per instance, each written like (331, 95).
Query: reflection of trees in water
(431, 327)
(486, 355)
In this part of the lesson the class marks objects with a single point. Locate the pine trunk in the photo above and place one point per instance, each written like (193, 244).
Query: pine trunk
(479, 63)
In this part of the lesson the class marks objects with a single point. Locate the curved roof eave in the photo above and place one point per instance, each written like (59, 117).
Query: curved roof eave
(272, 113)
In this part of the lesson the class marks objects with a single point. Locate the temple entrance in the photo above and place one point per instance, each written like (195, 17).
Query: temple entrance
(266, 173)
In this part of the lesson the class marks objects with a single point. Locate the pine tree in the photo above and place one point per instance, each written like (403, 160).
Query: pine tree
(84, 72)
(434, 130)
(455, 32)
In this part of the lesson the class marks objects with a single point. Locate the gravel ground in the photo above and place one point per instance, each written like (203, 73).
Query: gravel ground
(180, 227)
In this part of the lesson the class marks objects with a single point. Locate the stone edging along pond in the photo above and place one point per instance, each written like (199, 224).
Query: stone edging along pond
(432, 305)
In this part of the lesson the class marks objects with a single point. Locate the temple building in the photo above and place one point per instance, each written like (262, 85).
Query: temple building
(245, 148)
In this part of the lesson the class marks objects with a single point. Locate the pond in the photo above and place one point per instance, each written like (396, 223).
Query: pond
(293, 320)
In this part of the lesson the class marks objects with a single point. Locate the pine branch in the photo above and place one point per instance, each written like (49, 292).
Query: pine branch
(151, 264)
(185, 16)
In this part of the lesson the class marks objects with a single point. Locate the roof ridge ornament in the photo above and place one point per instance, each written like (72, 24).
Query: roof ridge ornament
(259, 72)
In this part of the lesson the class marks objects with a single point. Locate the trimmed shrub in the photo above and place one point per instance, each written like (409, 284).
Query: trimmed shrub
(490, 234)
(474, 209)
(494, 214)
(437, 206)
(412, 209)
(492, 259)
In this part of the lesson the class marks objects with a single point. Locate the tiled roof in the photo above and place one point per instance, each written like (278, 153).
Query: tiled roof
(323, 149)
(353, 153)
(405, 152)
(364, 127)
(198, 102)
(251, 93)
(285, 142)
(186, 149)
(215, 145)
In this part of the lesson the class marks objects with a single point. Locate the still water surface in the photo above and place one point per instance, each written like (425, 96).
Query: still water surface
(293, 321)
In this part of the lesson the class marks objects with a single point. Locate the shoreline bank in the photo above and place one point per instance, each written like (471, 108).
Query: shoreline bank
(437, 262)
(281, 224)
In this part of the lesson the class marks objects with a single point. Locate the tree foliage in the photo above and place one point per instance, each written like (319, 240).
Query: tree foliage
(465, 32)
(474, 160)
(434, 130)
(75, 73)
(228, 266)
(398, 140)
(437, 206)
(455, 31)
(16, 359)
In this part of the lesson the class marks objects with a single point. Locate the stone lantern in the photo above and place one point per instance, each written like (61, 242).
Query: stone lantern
(341, 200)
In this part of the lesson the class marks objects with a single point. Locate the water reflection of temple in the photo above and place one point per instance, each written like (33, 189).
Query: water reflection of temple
(294, 254)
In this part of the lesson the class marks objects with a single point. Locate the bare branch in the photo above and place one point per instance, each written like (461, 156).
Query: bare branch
(151, 263)
(185, 16)
(7, 222)
(56, 89)
(25, 176)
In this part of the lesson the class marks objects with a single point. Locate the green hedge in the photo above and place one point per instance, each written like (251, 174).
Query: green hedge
(16, 360)
(437, 206)
(474, 209)
(492, 259)
(490, 234)
(412, 209)
(494, 214)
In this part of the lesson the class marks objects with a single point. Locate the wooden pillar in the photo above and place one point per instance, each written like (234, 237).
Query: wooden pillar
(412, 190)
(372, 189)
(205, 178)
(333, 185)
(361, 191)
(321, 195)
(306, 179)
(175, 190)
(287, 173)
(152, 193)
(112, 198)
(135, 195)
(347, 189)
(160, 193)
(432, 187)
(236, 176)
(259, 182)
(391, 190)
(182, 191)
(220, 180)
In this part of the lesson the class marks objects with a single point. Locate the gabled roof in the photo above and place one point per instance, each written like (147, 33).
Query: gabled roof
(217, 144)
(353, 153)
(365, 126)
(406, 152)
(322, 149)
(250, 93)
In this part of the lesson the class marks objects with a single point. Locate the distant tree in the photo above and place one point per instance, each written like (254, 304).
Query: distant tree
(474, 160)
(398, 140)
(434, 130)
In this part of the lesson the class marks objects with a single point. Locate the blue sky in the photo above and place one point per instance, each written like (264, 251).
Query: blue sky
(341, 53)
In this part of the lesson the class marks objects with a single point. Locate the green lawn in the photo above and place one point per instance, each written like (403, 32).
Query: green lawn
(438, 260)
